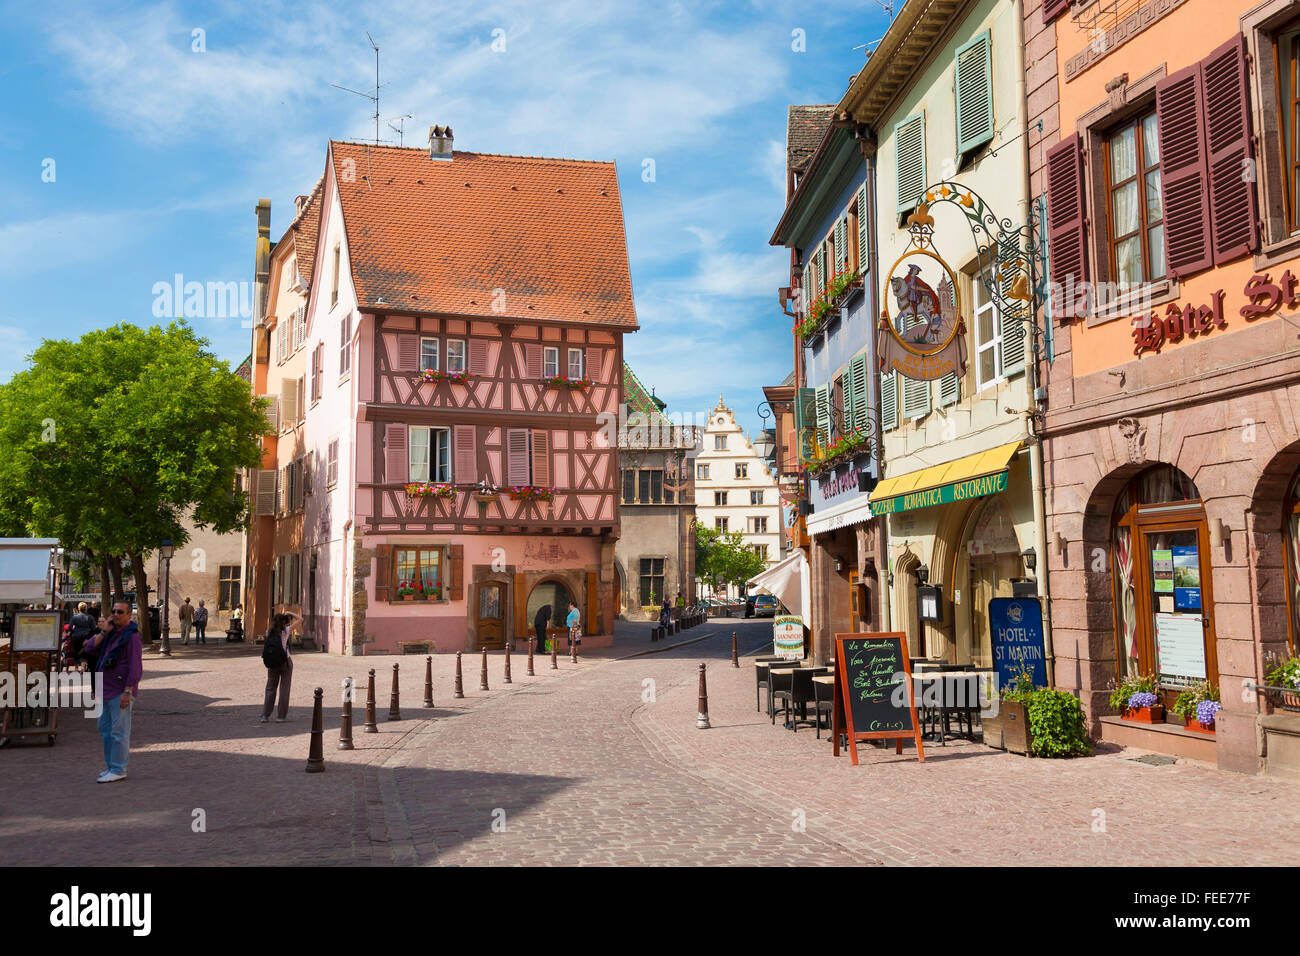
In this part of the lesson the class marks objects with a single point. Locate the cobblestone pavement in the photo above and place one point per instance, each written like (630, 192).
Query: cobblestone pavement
(594, 763)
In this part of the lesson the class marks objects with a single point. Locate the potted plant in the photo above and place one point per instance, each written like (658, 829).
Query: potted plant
(1188, 710)
(432, 592)
(484, 492)
(430, 489)
(433, 375)
(1008, 729)
(1136, 700)
(1284, 683)
(406, 590)
(555, 381)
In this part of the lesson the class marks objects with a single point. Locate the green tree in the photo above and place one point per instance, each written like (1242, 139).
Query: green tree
(109, 442)
(723, 556)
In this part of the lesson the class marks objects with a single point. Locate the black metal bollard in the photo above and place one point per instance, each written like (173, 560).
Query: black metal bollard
(507, 679)
(345, 725)
(460, 686)
(370, 727)
(316, 752)
(531, 642)
(735, 660)
(482, 675)
(702, 719)
(428, 682)
(554, 645)
(394, 711)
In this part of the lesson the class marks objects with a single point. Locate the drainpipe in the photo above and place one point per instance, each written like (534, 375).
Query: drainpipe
(882, 527)
(1038, 490)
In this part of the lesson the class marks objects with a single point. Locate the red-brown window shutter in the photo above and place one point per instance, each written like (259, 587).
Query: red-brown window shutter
(517, 456)
(384, 572)
(1053, 9)
(466, 455)
(478, 357)
(456, 571)
(594, 358)
(1180, 115)
(520, 600)
(408, 353)
(541, 457)
(1067, 228)
(533, 360)
(1231, 159)
(397, 466)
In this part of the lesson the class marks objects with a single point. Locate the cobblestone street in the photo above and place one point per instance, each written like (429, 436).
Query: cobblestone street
(594, 763)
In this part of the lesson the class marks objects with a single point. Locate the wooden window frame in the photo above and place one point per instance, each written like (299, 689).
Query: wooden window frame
(582, 363)
(464, 355)
(444, 569)
(437, 353)
(642, 575)
(1279, 207)
(432, 449)
(1143, 231)
(226, 584)
(550, 352)
(978, 291)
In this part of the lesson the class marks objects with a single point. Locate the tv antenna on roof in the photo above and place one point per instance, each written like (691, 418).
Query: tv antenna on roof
(398, 129)
(372, 97)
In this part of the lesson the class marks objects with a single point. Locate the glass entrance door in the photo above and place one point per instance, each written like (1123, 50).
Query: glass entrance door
(1177, 605)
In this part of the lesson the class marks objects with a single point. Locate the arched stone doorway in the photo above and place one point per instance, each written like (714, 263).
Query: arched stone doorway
(987, 563)
(909, 622)
(550, 591)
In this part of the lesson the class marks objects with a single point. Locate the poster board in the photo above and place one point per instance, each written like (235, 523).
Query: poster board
(1016, 632)
(787, 637)
(1180, 645)
(875, 685)
(36, 630)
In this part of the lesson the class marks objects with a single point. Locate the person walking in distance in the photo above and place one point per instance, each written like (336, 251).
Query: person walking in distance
(186, 612)
(539, 625)
(121, 661)
(574, 624)
(279, 667)
(200, 624)
(80, 628)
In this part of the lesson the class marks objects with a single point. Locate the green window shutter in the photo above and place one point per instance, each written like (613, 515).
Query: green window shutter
(974, 93)
(805, 418)
(1013, 347)
(888, 400)
(909, 143)
(859, 412)
(805, 292)
(848, 392)
(824, 411)
(823, 277)
(916, 398)
(841, 245)
(862, 229)
(949, 389)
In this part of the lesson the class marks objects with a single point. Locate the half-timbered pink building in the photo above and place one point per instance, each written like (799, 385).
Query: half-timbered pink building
(465, 318)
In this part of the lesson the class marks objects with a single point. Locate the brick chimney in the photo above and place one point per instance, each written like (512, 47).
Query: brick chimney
(299, 204)
(440, 142)
(262, 266)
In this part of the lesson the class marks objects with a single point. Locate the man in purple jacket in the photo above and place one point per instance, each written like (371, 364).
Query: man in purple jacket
(121, 653)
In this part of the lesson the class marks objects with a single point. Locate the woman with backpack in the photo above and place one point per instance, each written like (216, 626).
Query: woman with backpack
(279, 667)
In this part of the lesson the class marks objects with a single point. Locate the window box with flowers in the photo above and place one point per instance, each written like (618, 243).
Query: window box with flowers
(830, 298)
(429, 489)
(556, 381)
(456, 378)
(531, 493)
(841, 449)
(1136, 700)
(485, 493)
(1283, 687)
(1196, 708)
(410, 591)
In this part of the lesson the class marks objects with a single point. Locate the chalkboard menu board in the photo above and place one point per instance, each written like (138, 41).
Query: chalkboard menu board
(875, 686)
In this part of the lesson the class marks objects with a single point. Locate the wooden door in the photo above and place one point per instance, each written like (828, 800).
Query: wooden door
(1172, 580)
(489, 621)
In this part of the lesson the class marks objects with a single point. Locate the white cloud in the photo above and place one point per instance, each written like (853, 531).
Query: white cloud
(60, 241)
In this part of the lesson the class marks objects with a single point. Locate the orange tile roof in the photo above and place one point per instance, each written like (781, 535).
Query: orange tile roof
(430, 235)
(305, 228)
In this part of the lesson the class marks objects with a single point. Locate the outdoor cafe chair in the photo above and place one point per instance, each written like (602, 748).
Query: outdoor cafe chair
(801, 695)
(761, 665)
(824, 700)
(780, 684)
(772, 667)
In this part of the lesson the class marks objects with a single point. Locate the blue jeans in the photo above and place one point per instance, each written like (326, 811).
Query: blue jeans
(115, 728)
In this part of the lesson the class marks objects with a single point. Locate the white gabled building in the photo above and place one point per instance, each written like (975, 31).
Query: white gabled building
(734, 488)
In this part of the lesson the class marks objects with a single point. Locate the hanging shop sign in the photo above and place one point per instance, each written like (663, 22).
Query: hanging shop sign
(1017, 630)
(787, 636)
(921, 334)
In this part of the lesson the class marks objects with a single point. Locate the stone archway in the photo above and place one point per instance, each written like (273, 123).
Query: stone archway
(1265, 541)
(905, 566)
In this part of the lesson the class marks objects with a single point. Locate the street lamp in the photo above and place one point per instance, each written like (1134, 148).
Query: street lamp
(165, 551)
(1031, 559)
(765, 445)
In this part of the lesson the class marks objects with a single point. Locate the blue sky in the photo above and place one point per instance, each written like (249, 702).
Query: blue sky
(160, 152)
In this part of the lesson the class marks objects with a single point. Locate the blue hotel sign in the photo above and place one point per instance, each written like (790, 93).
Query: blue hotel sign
(1016, 625)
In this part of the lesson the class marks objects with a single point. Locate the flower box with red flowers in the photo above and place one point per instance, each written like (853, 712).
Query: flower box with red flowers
(555, 381)
(410, 591)
(531, 493)
(433, 375)
(830, 297)
(428, 489)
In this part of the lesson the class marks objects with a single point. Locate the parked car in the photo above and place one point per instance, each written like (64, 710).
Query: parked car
(765, 605)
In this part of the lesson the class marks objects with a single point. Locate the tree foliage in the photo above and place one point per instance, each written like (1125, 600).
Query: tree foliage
(723, 556)
(111, 442)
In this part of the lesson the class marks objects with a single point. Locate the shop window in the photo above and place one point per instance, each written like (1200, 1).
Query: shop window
(228, 587)
(1160, 560)
(1135, 210)
(652, 581)
(418, 567)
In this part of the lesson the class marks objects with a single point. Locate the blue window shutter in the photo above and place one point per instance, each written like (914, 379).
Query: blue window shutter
(909, 145)
(888, 400)
(974, 85)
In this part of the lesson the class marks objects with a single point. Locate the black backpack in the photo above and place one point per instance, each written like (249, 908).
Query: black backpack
(273, 654)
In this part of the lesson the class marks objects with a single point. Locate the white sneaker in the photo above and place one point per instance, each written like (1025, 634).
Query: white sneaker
(102, 775)
(112, 777)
